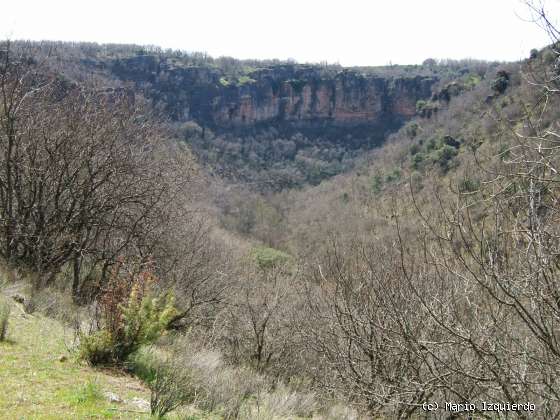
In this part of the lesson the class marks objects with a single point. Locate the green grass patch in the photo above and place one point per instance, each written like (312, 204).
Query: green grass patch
(90, 392)
(41, 379)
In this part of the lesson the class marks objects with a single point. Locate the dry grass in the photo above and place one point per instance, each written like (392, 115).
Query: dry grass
(54, 304)
(233, 392)
(281, 403)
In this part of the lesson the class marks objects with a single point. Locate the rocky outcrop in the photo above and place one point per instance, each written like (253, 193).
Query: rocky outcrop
(291, 94)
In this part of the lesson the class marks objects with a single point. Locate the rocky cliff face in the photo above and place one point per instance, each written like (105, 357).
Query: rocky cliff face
(291, 94)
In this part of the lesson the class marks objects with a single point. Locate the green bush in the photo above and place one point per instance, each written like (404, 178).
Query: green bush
(394, 175)
(266, 257)
(417, 160)
(420, 105)
(468, 185)
(376, 183)
(4, 317)
(97, 348)
(131, 316)
(142, 323)
(444, 156)
(431, 144)
(472, 80)
(411, 129)
(534, 53)
(501, 82)
(143, 363)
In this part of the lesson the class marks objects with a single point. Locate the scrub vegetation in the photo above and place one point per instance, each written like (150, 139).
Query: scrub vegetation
(139, 280)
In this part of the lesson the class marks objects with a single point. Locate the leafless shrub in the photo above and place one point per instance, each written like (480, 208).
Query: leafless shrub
(258, 327)
(196, 267)
(218, 387)
(365, 330)
(86, 178)
(169, 388)
(486, 272)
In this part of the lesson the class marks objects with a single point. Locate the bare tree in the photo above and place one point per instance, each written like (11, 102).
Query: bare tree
(84, 177)
(257, 321)
(487, 270)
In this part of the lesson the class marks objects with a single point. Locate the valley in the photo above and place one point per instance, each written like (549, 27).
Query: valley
(194, 237)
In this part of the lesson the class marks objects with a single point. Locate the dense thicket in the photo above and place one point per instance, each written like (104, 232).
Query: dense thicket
(90, 178)
(79, 178)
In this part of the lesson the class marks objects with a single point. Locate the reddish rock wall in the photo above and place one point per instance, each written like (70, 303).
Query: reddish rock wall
(278, 94)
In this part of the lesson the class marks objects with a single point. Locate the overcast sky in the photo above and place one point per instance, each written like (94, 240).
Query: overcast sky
(351, 32)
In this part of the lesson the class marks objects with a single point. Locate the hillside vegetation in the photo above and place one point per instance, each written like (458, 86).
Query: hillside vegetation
(424, 271)
(265, 123)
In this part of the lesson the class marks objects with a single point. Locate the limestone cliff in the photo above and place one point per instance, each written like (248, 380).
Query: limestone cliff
(290, 94)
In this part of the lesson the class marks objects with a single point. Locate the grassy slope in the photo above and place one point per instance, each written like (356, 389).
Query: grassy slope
(35, 384)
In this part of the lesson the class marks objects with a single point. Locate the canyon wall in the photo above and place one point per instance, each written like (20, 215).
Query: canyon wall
(291, 94)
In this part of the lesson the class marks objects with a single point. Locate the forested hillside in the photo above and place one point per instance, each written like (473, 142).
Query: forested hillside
(264, 240)
(271, 124)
